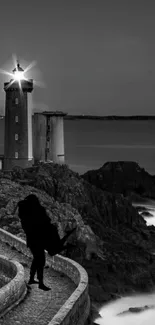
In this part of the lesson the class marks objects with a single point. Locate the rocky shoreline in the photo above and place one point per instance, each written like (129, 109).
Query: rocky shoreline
(112, 241)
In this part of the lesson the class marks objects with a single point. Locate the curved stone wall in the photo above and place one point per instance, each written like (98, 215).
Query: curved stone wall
(15, 290)
(76, 309)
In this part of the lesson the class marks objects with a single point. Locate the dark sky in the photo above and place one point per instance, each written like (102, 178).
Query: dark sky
(95, 57)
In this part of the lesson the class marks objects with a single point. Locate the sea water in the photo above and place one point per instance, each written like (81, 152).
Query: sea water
(109, 313)
(91, 143)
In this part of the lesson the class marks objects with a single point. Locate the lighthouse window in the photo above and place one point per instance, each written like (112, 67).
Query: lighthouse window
(16, 118)
(16, 154)
(16, 136)
(16, 101)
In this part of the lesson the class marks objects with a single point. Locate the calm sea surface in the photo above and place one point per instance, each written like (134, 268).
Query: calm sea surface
(91, 143)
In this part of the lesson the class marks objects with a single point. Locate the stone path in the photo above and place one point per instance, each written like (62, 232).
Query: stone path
(38, 307)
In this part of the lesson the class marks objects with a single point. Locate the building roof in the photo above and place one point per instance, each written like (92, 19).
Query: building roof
(18, 68)
(52, 113)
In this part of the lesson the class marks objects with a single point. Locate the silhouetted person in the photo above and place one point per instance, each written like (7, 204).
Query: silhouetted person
(40, 235)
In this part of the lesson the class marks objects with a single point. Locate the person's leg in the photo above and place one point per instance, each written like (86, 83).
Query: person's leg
(33, 270)
(37, 265)
(40, 269)
(33, 267)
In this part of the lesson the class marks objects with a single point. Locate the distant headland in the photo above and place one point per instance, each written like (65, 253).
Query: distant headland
(110, 117)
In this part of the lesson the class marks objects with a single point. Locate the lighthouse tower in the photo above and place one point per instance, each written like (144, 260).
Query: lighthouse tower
(18, 149)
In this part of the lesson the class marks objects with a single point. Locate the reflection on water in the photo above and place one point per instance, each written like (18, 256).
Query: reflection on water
(109, 311)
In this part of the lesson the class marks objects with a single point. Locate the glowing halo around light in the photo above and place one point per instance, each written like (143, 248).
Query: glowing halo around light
(18, 76)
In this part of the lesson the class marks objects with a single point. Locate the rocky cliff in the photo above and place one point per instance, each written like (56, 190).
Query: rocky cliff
(124, 177)
(112, 241)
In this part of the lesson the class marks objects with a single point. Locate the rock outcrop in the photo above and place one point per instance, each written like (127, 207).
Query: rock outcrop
(125, 177)
(136, 310)
(112, 241)
(146, 214)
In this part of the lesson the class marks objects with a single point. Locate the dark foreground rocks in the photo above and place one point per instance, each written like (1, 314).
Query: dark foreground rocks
(112, 241)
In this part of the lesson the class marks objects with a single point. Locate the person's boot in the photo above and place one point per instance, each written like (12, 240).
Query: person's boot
(40, 278)
(43, 287)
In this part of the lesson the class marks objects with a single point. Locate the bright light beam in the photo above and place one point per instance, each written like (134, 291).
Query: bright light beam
(19, 75)
(10, 83)
(6, 72)
(31, 65)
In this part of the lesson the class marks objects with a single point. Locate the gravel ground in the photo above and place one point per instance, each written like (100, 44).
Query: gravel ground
(38, 307)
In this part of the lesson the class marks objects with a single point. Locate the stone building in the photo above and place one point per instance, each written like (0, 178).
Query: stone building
(48, 137)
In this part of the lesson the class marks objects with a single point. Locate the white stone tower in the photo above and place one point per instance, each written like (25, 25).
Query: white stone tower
(49, 137)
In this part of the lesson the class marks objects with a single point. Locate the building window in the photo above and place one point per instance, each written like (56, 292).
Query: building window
(16, 101)
(16, 118)
(16, 155)
(16, 136)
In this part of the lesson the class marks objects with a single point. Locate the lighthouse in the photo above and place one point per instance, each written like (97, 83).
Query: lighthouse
(18, 144)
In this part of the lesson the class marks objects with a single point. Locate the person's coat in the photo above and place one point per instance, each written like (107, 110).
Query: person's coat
(37, 226)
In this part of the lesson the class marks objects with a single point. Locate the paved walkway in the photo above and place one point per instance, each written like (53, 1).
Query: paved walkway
(38, 307)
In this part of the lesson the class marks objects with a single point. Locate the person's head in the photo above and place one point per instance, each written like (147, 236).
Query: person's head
(28, 207)
(32, 200)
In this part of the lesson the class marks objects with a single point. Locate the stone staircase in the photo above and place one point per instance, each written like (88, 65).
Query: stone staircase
(38, 307)
(65, 300)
